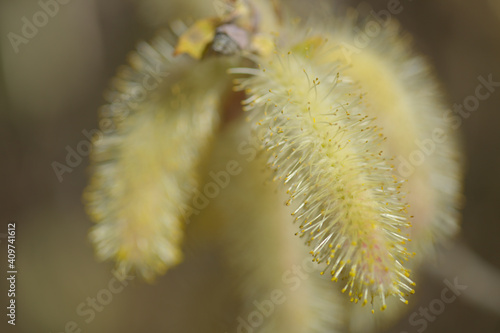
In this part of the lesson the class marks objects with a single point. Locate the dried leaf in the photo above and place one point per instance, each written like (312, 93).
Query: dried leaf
(197, 37)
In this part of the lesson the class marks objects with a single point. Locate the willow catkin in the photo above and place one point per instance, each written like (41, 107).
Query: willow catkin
(407, 101)
(328, 153)
(144, 172)
(268, 268)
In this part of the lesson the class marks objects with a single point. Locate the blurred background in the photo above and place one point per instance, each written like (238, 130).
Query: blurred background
(50, 91)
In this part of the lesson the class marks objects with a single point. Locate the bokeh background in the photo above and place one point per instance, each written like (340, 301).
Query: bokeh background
(50, 92)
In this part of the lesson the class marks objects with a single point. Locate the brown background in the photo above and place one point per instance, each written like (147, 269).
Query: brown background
(50, 92)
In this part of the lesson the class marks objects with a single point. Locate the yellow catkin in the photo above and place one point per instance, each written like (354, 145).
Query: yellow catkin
(144, 170)
(262, 256)
(406, 99)
(328, 153)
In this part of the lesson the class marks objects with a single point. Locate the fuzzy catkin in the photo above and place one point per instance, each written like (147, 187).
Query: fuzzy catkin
(144, 172)
(329, 155)
(267, 266)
